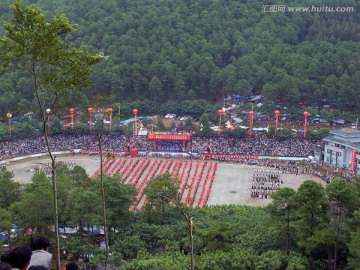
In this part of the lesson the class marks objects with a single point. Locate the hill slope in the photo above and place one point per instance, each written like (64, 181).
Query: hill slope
(181, 49)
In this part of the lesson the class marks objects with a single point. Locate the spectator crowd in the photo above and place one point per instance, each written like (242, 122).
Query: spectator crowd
(35, 256)
(260, 146)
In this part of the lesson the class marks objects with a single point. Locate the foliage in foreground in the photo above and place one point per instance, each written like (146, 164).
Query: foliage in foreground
(298, 230)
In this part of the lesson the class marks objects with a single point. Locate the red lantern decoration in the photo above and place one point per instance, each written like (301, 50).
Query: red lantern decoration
(90, 111)
(306, 114)
(48, 112)
(135, 112)
(220, 113)
(9, 115)
(72, 110)
(277, 113)
(110, 111)
(251, 114)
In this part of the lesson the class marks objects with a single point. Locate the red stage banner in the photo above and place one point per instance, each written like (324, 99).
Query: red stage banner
(171, 137)
(216, 156)
(87, 152)
(353, 160)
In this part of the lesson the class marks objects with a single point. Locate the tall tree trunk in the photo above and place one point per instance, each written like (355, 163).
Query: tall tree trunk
(41, 103)
(287, 240)
(54, 189)
(191, 227)
(103, 196)
(337, 221)
(56, 214)
(192, 244)
(335, 252)
(329, 258)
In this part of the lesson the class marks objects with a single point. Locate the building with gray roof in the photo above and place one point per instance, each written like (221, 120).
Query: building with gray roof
(342, 149)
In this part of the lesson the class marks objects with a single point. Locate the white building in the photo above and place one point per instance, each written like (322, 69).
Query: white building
(342, 149)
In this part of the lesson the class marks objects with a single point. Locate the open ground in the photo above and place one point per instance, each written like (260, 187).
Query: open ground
(231, 183)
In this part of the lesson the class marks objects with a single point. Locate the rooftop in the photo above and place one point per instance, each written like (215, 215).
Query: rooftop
(346, 132)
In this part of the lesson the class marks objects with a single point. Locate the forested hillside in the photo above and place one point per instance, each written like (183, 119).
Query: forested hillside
(164, 50)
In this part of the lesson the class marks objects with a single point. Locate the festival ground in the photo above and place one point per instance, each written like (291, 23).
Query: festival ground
(231, 183)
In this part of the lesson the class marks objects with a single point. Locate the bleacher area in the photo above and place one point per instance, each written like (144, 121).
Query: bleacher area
(196, 177)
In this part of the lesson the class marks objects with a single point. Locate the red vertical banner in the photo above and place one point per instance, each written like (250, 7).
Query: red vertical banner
(110, 111)
(306, 114)
(353, 160)
(277, 113)
(251, 115)
(135, 112)
(220, 112)
(72, 111)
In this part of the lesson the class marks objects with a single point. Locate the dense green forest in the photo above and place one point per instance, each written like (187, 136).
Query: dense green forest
(181, 49)
(311, 228)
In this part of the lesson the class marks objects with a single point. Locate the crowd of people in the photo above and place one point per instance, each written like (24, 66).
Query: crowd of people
(166, 146)
(306, 168)
(23, 147)
(46, 169)
(265, 183)
(216, 148)
(261, 146)
(35, 256)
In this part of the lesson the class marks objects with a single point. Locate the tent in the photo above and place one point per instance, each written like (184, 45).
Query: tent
(261, 129)
(243, 127)
(323, 121)
(237, 120)
(240, 98)
(339, 122)
(229, 125)
(256, 98)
